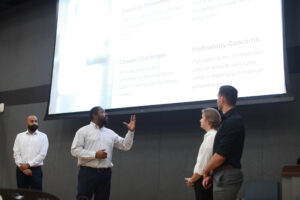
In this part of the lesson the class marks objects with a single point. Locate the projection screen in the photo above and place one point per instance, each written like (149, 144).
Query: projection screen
(123, 54)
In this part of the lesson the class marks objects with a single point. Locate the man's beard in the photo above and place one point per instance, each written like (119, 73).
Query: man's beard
(33, 127)
(219, 107)
(102, 122)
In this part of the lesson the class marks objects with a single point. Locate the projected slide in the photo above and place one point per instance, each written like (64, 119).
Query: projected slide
(131, 53)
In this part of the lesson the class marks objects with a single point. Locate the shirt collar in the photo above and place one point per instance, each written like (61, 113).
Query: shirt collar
(228, 113)
(95, 125)
(211, 131)
(34, 133)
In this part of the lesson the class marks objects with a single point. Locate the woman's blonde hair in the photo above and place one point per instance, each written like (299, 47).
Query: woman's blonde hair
(213, 116)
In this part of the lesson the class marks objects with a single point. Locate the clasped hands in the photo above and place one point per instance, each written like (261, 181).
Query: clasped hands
(189, 182)
(206, 183)
(24, 167)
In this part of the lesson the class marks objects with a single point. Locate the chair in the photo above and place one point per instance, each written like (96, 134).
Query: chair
(261, 191)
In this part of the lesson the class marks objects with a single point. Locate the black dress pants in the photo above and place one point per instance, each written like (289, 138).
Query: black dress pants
(93, 181)
(201, 193)
(33, 182)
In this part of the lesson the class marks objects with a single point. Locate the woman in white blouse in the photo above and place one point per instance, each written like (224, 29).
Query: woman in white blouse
(210, 122)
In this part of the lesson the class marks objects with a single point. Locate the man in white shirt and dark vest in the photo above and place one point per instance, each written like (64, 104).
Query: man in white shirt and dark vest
(30, 149)
(93, 146)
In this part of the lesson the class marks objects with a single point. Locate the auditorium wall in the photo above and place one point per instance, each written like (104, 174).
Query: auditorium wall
(166, 144)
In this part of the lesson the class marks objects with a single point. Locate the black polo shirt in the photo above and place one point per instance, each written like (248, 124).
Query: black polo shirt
(229, 140)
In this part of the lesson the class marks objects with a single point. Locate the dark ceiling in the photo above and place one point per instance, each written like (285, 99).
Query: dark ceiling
(9, 4)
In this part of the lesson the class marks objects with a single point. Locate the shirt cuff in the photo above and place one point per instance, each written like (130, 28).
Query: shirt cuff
(198, 170)
(30, 164)
(131, 132)
(93, 154)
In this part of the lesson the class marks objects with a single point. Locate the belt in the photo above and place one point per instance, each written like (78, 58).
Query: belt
(36, 166)
(95, 169)
(223, 168)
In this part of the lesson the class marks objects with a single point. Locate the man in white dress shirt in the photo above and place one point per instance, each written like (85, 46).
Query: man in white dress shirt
(30, 149)
(93, 146)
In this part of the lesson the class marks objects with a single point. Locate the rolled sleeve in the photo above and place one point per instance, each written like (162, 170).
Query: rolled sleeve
(126, 143)
(204, 160)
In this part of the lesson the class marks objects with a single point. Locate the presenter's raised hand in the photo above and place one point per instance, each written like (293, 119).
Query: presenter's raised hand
(131, 124)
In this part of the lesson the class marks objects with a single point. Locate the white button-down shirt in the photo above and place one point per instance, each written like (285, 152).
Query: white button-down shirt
(90, 139)
(30, 148)
(205, 151)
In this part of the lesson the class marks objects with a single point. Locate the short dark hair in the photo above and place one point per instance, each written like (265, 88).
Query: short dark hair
(230, 94)
(94, 111)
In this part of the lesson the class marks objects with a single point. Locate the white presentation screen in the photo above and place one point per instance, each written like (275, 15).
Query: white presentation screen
(133, 53)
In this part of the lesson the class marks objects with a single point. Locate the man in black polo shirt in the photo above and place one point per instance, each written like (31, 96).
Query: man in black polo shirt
(225, 165)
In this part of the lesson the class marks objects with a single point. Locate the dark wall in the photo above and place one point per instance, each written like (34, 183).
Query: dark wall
(166, 144)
